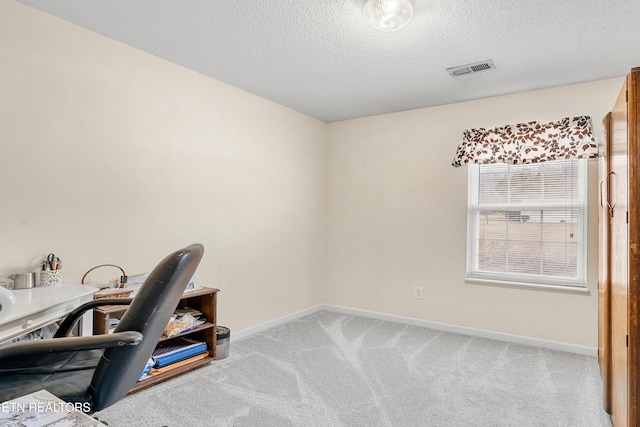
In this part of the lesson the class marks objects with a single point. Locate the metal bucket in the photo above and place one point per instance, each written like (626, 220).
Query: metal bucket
(23, 280)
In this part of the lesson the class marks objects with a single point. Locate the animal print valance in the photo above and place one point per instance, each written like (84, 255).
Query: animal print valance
(531, 142)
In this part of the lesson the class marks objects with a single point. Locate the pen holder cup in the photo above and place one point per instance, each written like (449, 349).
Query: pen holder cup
(50, 277)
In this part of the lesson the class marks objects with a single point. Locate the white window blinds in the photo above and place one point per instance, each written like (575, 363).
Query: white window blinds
(526, 223)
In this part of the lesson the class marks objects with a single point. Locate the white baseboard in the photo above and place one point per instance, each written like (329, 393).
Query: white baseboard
(261, 327)
(483, 333)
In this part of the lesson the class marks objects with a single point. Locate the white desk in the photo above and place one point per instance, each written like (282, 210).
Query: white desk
(41, 306)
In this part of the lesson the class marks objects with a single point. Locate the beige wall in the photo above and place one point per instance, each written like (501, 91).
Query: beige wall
(110, 155)
(397, 217)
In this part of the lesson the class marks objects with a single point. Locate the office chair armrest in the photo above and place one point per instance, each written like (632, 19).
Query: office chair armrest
(72, 318)
(64, 344)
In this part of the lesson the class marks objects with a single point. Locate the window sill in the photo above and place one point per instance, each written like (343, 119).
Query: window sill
(577, 289)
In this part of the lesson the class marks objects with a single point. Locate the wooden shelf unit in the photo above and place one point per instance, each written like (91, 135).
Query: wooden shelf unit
(203, 299)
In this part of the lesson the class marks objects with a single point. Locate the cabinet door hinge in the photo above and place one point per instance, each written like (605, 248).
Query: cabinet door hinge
(627, 217)
(627, 340)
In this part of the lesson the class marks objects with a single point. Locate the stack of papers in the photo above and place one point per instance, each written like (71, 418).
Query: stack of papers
(183, 319)
(43, 409)
(187, 310)
(135, 282)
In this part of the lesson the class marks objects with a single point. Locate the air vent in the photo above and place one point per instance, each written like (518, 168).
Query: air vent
(476, 67)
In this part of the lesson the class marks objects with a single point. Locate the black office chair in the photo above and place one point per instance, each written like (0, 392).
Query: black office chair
(100, 370)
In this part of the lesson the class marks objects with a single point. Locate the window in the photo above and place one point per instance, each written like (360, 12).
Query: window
(526, 223)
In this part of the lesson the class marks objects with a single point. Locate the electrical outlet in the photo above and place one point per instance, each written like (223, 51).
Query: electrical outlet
(417, 292)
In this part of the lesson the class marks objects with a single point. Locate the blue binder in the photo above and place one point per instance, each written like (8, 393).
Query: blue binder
(173, 351)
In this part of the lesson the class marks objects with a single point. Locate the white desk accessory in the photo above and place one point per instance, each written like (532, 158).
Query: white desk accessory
(7, 302)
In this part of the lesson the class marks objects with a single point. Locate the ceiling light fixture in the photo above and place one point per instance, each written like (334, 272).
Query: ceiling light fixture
(388, 15)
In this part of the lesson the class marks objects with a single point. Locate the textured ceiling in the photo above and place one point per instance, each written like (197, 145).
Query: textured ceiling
(320, 57)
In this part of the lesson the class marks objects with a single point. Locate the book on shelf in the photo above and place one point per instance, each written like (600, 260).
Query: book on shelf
(168, 352)
(157, 371)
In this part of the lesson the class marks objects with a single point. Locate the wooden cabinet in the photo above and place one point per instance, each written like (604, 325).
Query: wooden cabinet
(604, 263)
(620, 257)
(204, 300)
